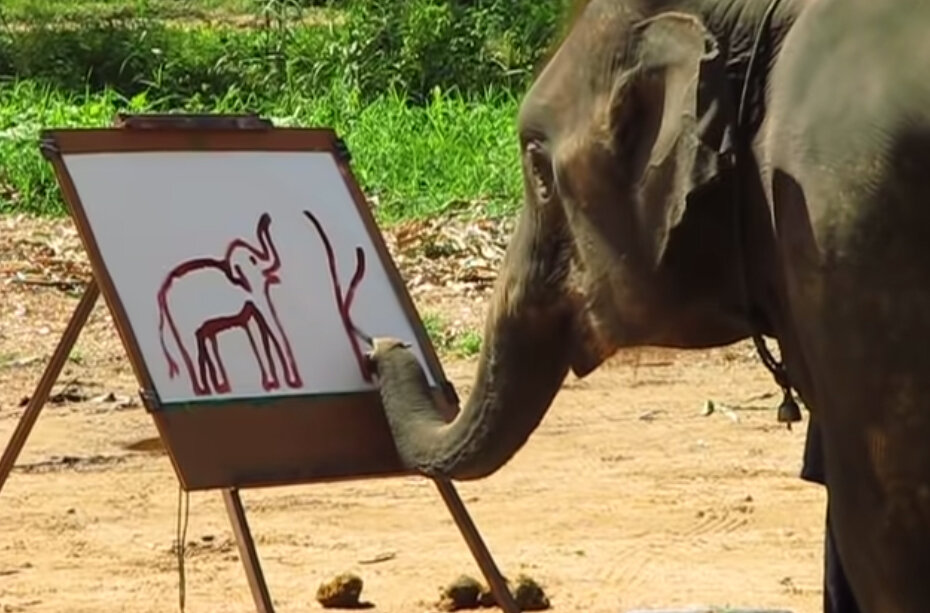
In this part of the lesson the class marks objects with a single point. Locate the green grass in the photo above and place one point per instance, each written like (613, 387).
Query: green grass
(416, 160)
(466, 343)
(73, 11)
(425, 92)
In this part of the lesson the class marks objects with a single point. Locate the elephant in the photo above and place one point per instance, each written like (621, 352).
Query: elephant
(699, 172)
(242, 279)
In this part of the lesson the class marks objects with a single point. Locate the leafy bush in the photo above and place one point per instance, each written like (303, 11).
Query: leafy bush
(418, 45)
(379, 45)
(130, 58)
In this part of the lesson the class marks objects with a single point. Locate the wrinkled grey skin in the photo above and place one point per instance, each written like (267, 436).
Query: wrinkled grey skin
(629, 236)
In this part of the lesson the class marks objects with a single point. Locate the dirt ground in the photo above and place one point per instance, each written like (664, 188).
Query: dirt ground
(628, 496)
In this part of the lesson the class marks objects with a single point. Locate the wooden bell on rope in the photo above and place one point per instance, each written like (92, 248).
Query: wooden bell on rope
(788, 411)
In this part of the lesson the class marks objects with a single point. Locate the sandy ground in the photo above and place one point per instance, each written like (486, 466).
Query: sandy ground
(626, 497)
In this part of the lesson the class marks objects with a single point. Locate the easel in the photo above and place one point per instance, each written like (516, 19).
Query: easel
(171, 133)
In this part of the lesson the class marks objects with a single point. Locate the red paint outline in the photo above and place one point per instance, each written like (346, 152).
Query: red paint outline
(344, 303)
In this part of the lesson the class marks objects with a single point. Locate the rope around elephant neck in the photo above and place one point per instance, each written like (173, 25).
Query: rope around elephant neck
(764, 26)
(788, 411)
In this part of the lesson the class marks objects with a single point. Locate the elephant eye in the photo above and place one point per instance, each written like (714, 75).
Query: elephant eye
(541, 170)
(252, 259)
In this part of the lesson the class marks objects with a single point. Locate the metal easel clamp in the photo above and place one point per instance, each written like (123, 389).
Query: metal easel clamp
(342, 151)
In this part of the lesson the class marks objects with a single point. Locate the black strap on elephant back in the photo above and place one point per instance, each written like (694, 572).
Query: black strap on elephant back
(788, 410)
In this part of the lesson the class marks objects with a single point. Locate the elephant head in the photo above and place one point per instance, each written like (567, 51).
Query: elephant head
(254, 267)
(626, 236)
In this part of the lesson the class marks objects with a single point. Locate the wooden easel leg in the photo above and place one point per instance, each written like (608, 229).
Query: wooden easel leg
(49, 377)
(253, 568)
(478, 549)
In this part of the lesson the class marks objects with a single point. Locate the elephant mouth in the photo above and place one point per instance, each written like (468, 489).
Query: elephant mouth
(272, 277)
(589, 348)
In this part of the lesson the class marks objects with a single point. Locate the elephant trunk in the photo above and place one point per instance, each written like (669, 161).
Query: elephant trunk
(523, 361)
(269, 251)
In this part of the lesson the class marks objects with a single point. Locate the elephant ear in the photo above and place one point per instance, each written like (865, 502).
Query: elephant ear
(678, 101)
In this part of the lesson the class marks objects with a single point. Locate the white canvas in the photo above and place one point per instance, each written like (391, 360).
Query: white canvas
(152, 213)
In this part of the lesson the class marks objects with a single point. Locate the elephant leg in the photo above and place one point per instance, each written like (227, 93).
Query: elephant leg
(858, 280)
(282, 350)
(220, 380)
(288, 363)
(875, 396)
(205, 364)
(194, 362)
(252, 328)
(276, 335)
(837, 593)
(267, 339)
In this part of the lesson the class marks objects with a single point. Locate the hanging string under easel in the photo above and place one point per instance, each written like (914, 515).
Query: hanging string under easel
(181, 536)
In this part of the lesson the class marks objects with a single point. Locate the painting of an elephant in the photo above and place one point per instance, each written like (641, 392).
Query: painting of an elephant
(699, 172)
(238, 286)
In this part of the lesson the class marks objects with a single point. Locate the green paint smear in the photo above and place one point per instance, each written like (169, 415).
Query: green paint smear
(256, 401)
